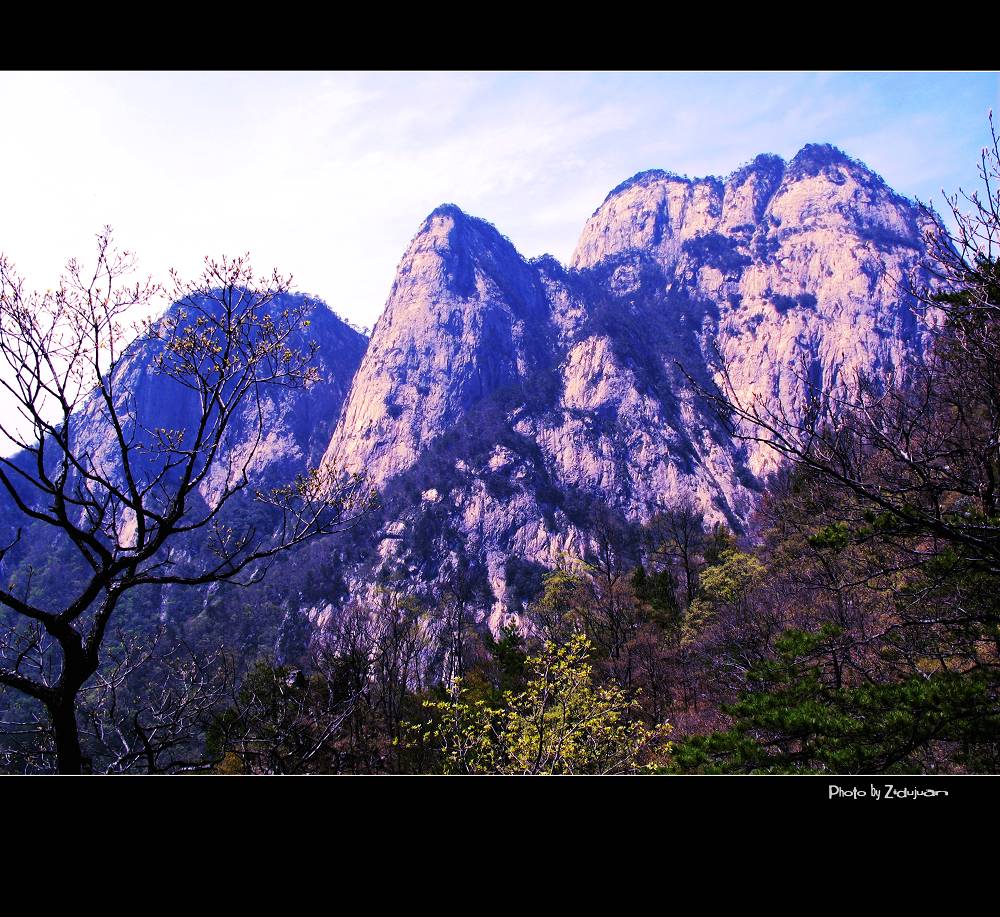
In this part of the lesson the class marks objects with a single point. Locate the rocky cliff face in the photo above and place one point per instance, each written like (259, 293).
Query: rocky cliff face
(798, 264)
(296, 422)
(297, 426)
(466, 316)
(499, 396)
(505, 406)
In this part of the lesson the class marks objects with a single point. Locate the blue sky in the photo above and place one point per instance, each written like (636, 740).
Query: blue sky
(328, 175)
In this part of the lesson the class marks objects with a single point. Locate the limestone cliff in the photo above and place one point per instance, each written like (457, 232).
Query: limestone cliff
(465, 317)
(499, 395)
(502, 405)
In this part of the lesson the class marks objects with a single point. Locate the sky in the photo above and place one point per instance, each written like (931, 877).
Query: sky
(327, 176)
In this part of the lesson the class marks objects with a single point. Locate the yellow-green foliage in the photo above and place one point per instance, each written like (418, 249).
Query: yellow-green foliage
(727, 583)
(562, 723)
(732, 578)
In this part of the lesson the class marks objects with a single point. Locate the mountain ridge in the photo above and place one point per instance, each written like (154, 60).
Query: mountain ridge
(781, 269)
(504, 406)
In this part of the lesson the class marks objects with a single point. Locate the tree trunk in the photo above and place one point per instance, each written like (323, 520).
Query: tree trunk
(69, 758)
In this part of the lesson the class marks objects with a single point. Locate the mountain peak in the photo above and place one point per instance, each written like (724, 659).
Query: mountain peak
(454, 216)
(448, 210)
(822, 151)
(764, 163)
(813, 158)
(642, 179)
(464, 317)
(447, 227)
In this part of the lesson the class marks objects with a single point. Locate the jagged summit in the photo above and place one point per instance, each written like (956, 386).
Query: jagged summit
(644, 179)
(815, 156)
(763, 164)
(500, 401)
(448, 210)
(763, 161)
(462, 320)
(824, 160)
(811, 160)
(457, 215)
(449, 218)
(498, 395)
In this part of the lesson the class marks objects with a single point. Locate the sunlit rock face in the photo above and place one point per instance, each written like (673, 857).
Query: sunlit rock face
(466, 316)
(507, 408)
(520, 392)
(802, 267)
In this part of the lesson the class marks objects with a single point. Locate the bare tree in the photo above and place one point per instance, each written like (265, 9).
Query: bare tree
(126, 493)
(377, 652)
(282, 721)
(676, 536)
(464, 588)
(156, 729)
(159, 728)
(607, 606)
